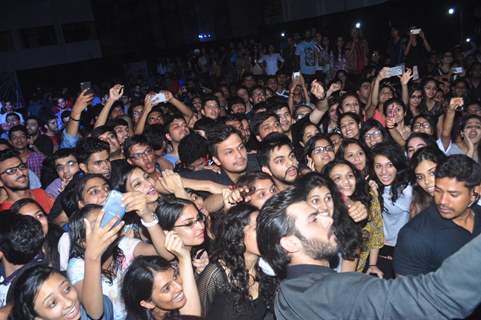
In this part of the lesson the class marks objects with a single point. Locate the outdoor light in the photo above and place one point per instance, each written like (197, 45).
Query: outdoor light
(468, 39)
(451, 11)
(358, 25)
(283, 34)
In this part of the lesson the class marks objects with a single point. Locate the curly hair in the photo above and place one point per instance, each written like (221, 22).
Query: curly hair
(229, 248)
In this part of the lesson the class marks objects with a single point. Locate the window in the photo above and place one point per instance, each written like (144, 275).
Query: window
(38, 37)
(80, 31)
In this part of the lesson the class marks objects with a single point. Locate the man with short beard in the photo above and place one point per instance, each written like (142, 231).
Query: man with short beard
(297, 241)
(276, 157)
(14, 180)
(41, 141)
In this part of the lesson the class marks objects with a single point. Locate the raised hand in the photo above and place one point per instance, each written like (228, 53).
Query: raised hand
(357, 211)
(98, 239)
(174, 245)
(455, 103)
(234, 196)
(116, 92)
(136, 201)
(83, 100)
(334, 87)
(317, 90)
(406, 76)
(199, 262)
(383, 73)
(168, 95)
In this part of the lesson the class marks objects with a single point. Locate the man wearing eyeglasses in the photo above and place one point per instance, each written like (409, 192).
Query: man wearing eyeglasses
(14, 180)
(139, 153)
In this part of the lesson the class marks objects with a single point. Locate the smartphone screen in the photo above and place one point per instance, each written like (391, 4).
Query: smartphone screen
(113, 207)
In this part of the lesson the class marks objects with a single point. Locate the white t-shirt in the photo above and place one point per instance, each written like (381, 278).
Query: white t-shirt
(271, 61)
(76, 271)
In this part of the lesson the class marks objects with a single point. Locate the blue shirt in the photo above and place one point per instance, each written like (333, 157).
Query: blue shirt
(307, 53)
(395, 215)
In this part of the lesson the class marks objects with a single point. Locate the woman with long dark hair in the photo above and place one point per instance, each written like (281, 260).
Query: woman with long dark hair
(392, 176)
(358, 154)
(373, 132)
(423, 167)
(154, 288)
(353, 190)
(233, 285)
(318, 152)
(322, 194)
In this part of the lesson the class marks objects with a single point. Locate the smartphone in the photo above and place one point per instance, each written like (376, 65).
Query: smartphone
(415, 31)
(457, 70)
(113, 208)
(415, 73)
(158, 98)
(396, 71)
(296, 75)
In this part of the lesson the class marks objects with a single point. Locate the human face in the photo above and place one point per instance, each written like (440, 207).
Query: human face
(474, 108)
(258, 96)
(250, 237)
(430, 89)
(155, 117)
(13, 120)
(336, 141)
(384, 169)
(344, 179)
(285, 118)
(19, 140)
(95, 191)
(314, 225)
(52, 125)
(142, 156)
(415, 99)
(14, 174)
(395, 112)
(238, 108)
(423, 126)
(424, 173)
(322, 154)
(232, 154)
(472, 130)
(137, 112)
(99, 162)
(243, 94)
(32, 127)
(112, 140)
(355, 155)
(272, 84)
(349, 128)
(197, 104)
(460, 89)
(264, 189)
(211, 109)
(140, 181)
(57, 299)
(350, 104)
(283, 165)
(365, 90)
(269, 126)
(33, 210)
(452, 197)
(66, 168)
(309, 132)
(167, 291)
(190, 235)
(385, 94)
(221, 98)
(177, 130)
(373, 136)
(414, 145)
(117, 112)
(122, 133)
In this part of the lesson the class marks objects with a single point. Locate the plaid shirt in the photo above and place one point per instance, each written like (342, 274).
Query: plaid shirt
(34, 162)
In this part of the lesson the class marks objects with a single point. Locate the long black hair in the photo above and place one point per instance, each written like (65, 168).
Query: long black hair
(77, 235)
(367, 173)
(229, 248)
(348, 233)
(138, 284)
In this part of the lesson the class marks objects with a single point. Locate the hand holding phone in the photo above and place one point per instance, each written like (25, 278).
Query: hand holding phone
(415, 31)
(113, 208)
(87, 85)
(159, 98)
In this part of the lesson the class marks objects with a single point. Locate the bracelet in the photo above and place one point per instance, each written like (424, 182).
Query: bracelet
(151, 223)
(373, 265)
(72, 118)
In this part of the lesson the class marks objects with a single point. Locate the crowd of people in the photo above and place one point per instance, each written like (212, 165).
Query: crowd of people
(257, 184)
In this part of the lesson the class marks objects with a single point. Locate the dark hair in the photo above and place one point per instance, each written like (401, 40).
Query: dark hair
(423, 136)
(219, 134)
(344, 97)
(398, 159)
(170, 119)
(347, 232)
(12, 114)
(155, 136)
(25, 290)
(248, 180)
(235, 100)
(341, 154)
(229, 248)
(63, 153)
(207, 98)
(21, 238)
(118, 122)
(273, 223)
(88, 146)
(131, 141)
(138, 283)
(352, 115)
(421, 199)
(100, 130)
(428, 119)
(271, 142)
(8, 154)
(259, 118)
(192, 147)
(311, 144)
(462, 168)
(169, 210)
(205, 124)
(79, 185)
(373, 123)
(391, 101)
(16, 128)
(77, 241)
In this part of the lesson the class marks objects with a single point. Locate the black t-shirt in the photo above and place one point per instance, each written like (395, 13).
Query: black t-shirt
(44, 144)
(428, 239)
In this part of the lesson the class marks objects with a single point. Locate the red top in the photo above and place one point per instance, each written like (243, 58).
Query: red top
(39, 195)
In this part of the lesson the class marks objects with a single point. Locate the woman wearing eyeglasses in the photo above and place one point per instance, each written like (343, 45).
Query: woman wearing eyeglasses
(233, 285)
(318, 152)
(183, 217)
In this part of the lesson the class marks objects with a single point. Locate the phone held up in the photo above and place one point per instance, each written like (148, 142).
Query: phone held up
(87, 85)
(113, 208)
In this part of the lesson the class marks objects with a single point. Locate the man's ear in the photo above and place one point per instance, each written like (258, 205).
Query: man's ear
(147, 305)
(291, 244)
(266, 170)
(216, 161)
(168, 137)
(83, 167)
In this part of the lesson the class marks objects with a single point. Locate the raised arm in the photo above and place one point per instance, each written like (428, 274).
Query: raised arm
(383, 73)
(115, 93)
(426, 44)
(454, 103)
(185, 110)
(405, 78)
(322, 105)
(80, 104)
(139, 128)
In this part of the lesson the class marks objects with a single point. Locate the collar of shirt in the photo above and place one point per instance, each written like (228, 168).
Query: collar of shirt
(298, 270)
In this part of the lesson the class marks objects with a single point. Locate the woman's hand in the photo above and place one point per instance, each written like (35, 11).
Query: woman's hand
(136, 201)
(98, 239)
(357, 211)
(200, 262)
(176, 246)
(375, 270)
